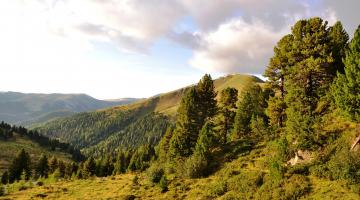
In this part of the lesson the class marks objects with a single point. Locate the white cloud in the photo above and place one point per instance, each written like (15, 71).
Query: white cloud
(236, 46)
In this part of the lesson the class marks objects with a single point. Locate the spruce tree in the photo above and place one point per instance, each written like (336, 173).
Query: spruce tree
(89, 167)
(53, 164)
(339, 42)
(187, 126)
(252, 104)
(206, 141)
(165, 144)
(42, 167)
(228, 99)
(309, 78)
(346, 88)
(5, 178)
(20, 164)
(206, 99)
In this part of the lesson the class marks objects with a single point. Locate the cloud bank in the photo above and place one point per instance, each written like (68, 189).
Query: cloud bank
(228, 35)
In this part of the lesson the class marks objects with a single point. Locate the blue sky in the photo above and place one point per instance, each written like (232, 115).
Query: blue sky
(132, 48)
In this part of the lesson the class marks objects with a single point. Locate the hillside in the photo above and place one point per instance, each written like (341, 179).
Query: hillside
(102, 129)
(13, 139)
(27, 109)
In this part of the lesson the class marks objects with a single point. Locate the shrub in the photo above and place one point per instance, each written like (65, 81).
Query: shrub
(296, 186)
(164, 184)
(345, 165)
(155, 173)
(218, 189)
(135, 180)
(196, 166)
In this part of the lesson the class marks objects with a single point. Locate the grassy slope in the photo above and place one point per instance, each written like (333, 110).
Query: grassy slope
(101, 124)
(9, 149)
(238, 175)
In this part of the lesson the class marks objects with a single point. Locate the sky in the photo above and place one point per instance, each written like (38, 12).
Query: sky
(139, 48)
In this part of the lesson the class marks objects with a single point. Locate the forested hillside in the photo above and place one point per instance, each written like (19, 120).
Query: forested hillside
(13, 139)
(132, 125)
(27, 109)
(294, 137)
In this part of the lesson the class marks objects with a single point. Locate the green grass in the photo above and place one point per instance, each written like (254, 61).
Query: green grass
(244, 177)
(9, 149)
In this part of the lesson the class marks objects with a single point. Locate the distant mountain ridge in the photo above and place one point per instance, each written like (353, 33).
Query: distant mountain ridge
(132, 125)
(32, 108)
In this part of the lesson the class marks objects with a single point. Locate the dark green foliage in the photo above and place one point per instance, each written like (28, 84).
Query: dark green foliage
(145, 130)
(228, 99)
(276, 111)
(339, 42)
(121, 163)
(259, 127)
(42, 167)
(345, 165)
(20, 164)
(89, 168)
(187, 126)
(196, 166)
(346, 89)
(141, 158)
(155, 173)
(53, 164)
(207, 102)
(6, 132)
(164, 144)
(206, 141)
(164, 184)
(5, 178)
(252, 104)
(2, 190)
(309, 78)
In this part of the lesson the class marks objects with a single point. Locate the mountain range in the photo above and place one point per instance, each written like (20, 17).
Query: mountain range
(28, 109)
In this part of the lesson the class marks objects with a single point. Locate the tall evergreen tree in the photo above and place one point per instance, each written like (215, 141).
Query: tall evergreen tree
(346, 88)
(53, 164)
(207, 102)
(42, 167)
(339, 42)
(276, 72)
(89, 168)
(5, 178)
(252, 104)
(187, 126)
(309, 78)
(21, 164)
(228, 99)
(165, 144)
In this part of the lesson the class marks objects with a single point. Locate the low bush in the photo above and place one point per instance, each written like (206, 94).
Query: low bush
(155, 173)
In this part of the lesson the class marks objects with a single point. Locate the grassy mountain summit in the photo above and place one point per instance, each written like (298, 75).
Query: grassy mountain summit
(26, 109)
(102, 129)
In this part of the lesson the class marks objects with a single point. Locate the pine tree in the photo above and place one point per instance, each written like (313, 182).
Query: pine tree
(61, 167)
(165, 144)
(20, 164)
(53, 164)
(339, 42)
(228, 99)
(120, 164)
(252, 104)
(89, 168)
(206, 141)
(276, 111)
(279, 65)
(207, 102)
(42, 167)
(5, 178)
(346, 88)
(187, 126)
(309, 78)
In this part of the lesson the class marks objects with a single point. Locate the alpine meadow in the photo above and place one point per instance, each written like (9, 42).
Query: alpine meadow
(278, 118)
